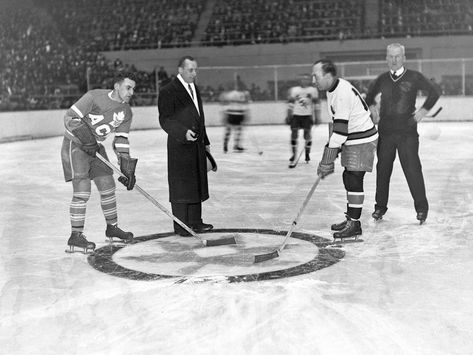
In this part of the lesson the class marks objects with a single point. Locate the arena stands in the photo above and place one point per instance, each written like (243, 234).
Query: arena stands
(123, 24)
(280, 21)
(426, 18)
(51, 51)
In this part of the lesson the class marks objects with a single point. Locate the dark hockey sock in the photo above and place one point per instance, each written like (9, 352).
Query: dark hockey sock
(308, 145)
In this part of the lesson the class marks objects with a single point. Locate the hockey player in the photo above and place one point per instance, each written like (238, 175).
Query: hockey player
(89, 121)
(301, 114)
(235, 103)
(354, 135)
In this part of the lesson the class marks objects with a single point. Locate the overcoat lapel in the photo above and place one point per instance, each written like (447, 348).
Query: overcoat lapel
(184, 97)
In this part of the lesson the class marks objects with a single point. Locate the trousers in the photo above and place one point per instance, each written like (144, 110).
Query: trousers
(189, 213)
(407, 147)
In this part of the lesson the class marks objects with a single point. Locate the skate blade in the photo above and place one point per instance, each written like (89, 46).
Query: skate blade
(119, 241)
(350, 240)
(87, 252)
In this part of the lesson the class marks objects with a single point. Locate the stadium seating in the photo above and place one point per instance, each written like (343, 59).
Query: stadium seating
(50, 50)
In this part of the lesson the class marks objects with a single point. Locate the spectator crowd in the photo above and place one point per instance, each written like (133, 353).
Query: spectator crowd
(51, 50)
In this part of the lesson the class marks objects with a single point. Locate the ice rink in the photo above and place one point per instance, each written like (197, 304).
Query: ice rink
(407, 289)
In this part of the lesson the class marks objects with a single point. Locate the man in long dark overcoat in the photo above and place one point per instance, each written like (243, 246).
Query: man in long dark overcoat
(181, 116)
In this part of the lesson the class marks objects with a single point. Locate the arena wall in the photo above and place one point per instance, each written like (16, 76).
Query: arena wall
(42, 124)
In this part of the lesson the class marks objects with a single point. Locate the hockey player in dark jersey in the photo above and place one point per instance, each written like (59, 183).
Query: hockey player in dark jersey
(89, 121)
(354, 135)
(397, 127)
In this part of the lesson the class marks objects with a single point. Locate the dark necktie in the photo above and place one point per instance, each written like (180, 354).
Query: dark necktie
(190, 89)
(395, 76)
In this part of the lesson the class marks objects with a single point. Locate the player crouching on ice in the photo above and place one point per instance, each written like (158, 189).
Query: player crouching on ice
(96, 115)
(354, 135)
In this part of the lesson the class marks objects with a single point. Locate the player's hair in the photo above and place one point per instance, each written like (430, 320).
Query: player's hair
(327, 66)
(396, 45)
(122, 75)
(180, 64)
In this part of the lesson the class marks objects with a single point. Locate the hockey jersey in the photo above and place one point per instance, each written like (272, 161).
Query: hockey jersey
(103, 116)
(301, 100)
(236, 102)
(350, 115)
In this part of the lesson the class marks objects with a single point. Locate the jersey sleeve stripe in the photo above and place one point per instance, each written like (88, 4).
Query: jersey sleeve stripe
(368, 133)
(340, 127)
(121, 134)
(76, 110)
(336, 140)
(122, 145)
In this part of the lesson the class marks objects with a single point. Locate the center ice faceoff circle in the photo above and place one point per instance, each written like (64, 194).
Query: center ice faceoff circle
(178, 257)
(166, 255)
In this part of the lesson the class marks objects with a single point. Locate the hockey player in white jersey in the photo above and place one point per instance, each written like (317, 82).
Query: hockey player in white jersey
(301, 114)
(354, 135)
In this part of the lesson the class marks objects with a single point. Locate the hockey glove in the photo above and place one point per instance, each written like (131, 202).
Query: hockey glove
(327, 165)
(88, 143)
(128, 167)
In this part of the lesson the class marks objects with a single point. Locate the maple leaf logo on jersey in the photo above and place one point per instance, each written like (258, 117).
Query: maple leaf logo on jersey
(117, 118)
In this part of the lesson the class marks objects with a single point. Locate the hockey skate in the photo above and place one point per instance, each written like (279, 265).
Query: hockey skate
(339, 226)
(238, 149)
(292, 161)
(115, 232)
(78, 239)
(351, 232)
(378, 213)
(421, 216)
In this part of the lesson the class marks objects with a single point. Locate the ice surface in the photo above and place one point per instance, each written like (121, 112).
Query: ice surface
(408, 289)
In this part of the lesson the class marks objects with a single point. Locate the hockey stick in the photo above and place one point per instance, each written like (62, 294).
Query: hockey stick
(205, 242)
(255, 144)
(274, 254)
(294, 164)
(435, 113)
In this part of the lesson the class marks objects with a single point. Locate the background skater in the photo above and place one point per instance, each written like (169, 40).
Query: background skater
(235, 103)
(301, 114)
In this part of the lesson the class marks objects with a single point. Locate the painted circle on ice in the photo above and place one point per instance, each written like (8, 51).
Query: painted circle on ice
(166, 255)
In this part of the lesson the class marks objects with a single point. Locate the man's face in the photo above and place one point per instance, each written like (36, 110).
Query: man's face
(323, 81)
(188, 70)
(125, 89)
(395, 58)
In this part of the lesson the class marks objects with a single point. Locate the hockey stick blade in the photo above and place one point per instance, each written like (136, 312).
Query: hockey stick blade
(264, 257)
(217, 242)
(276, 253)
